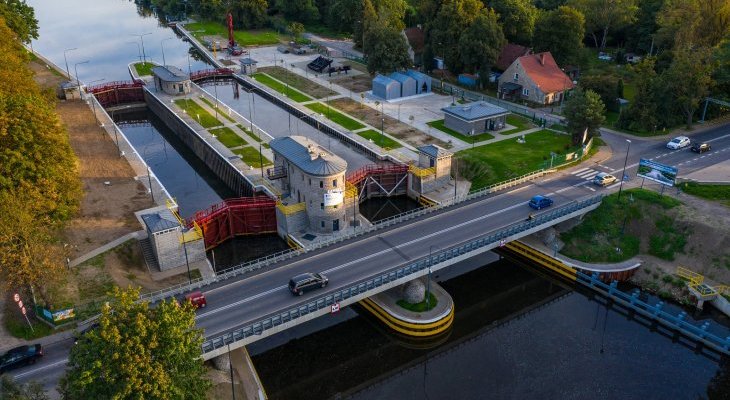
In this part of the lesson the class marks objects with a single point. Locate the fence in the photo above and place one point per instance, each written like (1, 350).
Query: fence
(144, 174)
(492, 240)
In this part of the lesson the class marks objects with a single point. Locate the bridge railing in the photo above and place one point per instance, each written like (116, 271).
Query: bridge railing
(261, 325)
(271, 259)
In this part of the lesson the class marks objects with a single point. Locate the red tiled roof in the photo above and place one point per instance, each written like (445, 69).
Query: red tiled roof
(544, 71)
(510, 52)
(415, 38)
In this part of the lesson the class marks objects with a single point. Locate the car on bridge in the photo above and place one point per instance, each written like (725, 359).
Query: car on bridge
(539, 202)
(678, 143)
(197, 299)
(604, 179)
(701, 147)
(20, 356)
(306, 282)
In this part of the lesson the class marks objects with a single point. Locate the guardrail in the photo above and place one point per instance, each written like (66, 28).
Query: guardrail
(271, 259)
(258, 327)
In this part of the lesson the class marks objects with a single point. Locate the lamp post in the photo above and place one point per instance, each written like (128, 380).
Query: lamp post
(623, 174)
(428, 280)
(149, 175)
(141, 38)
(66, 61)
(163, 49)
(76, 72)
(139, 51)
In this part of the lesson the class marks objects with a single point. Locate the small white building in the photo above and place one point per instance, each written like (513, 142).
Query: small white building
(171, 80)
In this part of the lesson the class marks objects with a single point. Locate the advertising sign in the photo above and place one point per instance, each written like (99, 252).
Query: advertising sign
(333, 198)
(656, 172)
(63, 314)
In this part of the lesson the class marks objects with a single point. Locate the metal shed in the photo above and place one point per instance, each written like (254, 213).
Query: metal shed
(386, 88)
(423, 81)
(407, 84)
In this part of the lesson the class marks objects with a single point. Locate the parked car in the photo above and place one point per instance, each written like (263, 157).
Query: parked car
(701, 147)
(84, 331)
(604, 179)
(539, 202)
(604, 56)
(197, 299)
(20, 356)
(306, 282)
(678, 142)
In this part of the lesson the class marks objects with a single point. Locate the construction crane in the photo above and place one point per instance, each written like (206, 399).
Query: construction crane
(233, 49)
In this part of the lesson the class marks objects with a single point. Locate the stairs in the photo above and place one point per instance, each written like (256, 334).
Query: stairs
(149, 255)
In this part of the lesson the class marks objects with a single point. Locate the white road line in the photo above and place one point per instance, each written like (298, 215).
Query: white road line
(41, 368)
(441, 232)
(591, 175)
(590, 188)
(579, 171)
(586, 173)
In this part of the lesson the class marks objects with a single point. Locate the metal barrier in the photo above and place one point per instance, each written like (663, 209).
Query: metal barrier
(269, 260)
(258, 327)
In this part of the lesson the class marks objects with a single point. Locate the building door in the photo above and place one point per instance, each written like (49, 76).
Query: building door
(335, 224)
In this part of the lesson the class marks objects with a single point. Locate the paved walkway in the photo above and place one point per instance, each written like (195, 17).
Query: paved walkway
(537, 244)
(103, 249)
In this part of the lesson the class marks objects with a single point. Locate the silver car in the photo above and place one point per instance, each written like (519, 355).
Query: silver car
(604, 179)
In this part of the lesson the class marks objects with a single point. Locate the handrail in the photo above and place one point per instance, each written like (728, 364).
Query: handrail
(257, 327)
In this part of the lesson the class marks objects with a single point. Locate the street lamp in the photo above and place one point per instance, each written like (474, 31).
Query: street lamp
(66, 61)
(76, 72)
(141, 38)
(428, 280)
(163, 49)
(623, 174)
(139, 52)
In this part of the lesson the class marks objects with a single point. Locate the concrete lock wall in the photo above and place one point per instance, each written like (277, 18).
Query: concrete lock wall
(225, 171)
(290, 223)
(170, 251)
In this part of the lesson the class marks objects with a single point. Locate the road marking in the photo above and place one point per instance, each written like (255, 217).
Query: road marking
(585, 174)
(31, 372)
(590, 188)
(579, 171)
(614, 185)
(591, 175)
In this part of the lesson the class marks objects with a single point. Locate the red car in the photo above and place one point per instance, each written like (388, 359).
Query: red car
(197, 299)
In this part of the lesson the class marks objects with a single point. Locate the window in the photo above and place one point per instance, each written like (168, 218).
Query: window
(180, 90)
(525, 92)
(321, 184)
(516, 77)
(321, 206)
(334, 182)
(322, 224)
(302, 177)
(310, 181)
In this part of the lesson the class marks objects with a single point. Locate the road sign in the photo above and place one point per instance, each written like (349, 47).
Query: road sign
(654, 171)
(16, 297)
(502, 243)
(335, 308)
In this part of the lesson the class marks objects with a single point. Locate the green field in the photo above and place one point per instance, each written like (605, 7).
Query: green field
(382, 141)
(243, 38)
(144, 68)
(212, 105)
(281, 88)
(197, 113)
(228, 137)
(719, 193)
(252, 157)
(335, 116)
(464, 138)
(520, 124)
(499, 161)
(298, 82)
(249, 133)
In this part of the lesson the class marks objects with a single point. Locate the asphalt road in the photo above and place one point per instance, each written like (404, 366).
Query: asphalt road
(239, 302)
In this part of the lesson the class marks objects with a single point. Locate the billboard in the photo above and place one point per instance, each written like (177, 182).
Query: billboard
(333, 198)
(656, 172)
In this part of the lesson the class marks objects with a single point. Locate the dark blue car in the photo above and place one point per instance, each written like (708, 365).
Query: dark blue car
(538, 202)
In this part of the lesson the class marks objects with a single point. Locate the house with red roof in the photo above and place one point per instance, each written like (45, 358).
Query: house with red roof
(510, 52)
(536, 78)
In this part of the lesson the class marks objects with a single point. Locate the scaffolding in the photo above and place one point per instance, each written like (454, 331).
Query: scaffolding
(235, 217)
(289, 209)
(421, 172)
(377, 181)
(120, 92)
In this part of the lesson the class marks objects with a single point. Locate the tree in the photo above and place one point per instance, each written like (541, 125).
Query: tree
(722, 72)
(517, 18)
(640, 35)
(20, 18)
(343, 15)
(693, 22)
(138, 352)
(481, 42)
(603, 15)
(386, 48)
(560, 32)
(445, 30)
(368, 18)
(584, 110)
(11, 390)
(641, 113)
(604, 85)
(298, 9)
(247, 13)
(296, 29)
(549, 4)
(689, 78)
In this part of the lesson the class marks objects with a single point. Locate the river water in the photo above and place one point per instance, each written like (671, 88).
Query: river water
(516, 334)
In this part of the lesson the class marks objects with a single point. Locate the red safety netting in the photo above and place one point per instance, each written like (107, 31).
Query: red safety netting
(233, 217)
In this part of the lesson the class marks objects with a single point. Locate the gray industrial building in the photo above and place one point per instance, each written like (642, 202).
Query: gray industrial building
(423, 81)
(312, 182)
(475, 118)
(171, 80)
(385, 87)
(166, 238)
(407, 84)
(432, 171)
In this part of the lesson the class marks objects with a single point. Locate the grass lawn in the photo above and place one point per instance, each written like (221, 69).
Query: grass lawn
(335, 116)
(281, 88)
(197, 113)
(520, 124)
(603, 231)
(212, 105)
(300, 83)
(383, 141)
(229, 138)
(710, 192)
(243, 38)
(419, 307)
(464, 138)
(252, 156)
(249, 133)
(629, 91)
(143, 68)
(499, 161)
